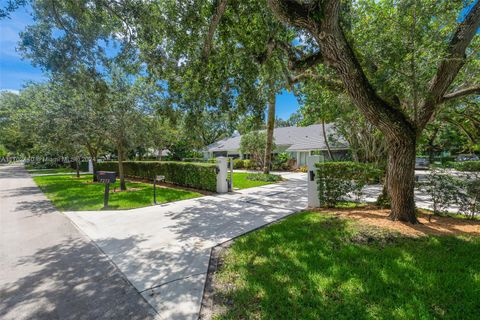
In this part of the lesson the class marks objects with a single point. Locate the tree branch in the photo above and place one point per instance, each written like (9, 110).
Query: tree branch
(450, 65)
(330, 84)
(294, 12)
(264, 56)
(321, 20)
(301, 65)
(461, 93)
(217, 16)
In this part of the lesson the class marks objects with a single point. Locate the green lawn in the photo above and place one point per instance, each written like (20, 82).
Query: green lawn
(45, 171)
(240, 181)
(317, 266)
(69, 193)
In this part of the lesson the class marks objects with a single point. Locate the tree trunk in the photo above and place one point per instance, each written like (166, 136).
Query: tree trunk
(431, 141)
(267, 164)
(401, 179)
(94, 165)
(121, 174)
(77, 166)
(383, 199)
(321, 20)
(93, 152)
(326, 141)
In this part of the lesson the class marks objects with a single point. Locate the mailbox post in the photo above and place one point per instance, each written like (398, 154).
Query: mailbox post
(313, 199)
(155, 179)
(106, 177)
(222, 175)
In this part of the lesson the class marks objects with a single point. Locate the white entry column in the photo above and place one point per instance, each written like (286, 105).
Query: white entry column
(222, 183)
(313, 199)
(90, 166)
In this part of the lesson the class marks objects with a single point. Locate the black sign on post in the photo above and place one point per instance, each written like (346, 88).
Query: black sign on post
(106, 177)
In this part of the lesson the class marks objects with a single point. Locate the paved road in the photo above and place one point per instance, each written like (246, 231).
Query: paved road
(164, 250)
(49, 270)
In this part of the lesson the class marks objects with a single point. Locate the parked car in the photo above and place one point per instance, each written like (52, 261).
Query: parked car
(421, 163)
(467, 157)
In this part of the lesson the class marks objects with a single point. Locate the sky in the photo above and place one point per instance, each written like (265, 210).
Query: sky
(15, 71)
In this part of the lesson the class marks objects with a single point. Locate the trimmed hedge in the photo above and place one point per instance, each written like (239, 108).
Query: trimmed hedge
(244, 164)
(201, 176)
(336, 179)
(238, 164)
(194, 160)
(83, 165)
(470, 166)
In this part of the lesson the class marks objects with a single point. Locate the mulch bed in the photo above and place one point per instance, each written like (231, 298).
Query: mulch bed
(428, 224)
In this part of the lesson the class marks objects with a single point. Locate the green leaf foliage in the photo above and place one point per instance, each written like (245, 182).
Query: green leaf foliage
(194, 175)
(471, 166)
(336, 179)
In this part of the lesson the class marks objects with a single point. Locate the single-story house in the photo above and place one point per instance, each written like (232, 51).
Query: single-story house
(298, 142)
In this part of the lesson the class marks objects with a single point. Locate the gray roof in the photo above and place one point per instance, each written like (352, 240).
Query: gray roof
(294, 138)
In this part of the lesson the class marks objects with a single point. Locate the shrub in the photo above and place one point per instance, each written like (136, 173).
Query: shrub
(3, 151)
(249, 164)
(470, 166)
(45, 164)
(264, 177)
(280, 162)
(302, 169)
(469, 197)
(442, 188)
(193, 160)
(254, 144)
(195, 175)
(238, 164)
(337, 179)
(83, 165)
(443, 165)
(446, 190)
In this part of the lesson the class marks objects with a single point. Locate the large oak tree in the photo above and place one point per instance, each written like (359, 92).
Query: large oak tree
(325, 26)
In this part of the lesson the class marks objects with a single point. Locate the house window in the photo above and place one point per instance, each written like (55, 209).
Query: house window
(217, 154)
(302, 159)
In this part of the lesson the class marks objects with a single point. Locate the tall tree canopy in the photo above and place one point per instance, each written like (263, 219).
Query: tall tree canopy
(399, 62)
(397, 76)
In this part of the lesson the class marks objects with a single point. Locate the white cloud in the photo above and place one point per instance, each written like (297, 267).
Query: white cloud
(10, 90)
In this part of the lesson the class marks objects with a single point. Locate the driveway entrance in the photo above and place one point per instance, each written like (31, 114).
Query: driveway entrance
(164, 250)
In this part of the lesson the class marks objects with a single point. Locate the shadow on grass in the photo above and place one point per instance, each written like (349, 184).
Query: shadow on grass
(313, 266)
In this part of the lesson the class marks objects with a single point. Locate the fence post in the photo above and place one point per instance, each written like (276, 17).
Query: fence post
(222, 172)
(313, 199)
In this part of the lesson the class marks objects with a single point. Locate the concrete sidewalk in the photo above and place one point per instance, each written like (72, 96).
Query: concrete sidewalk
(165, 250)
(49, 270)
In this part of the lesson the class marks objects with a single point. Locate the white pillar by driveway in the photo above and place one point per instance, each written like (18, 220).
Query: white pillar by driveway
(313, 199)
(90, 166)
(222, 183)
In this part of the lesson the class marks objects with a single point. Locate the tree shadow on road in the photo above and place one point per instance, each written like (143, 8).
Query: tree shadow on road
(71, 280)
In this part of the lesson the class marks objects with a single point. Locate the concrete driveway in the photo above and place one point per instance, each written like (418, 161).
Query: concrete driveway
(164, 250)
